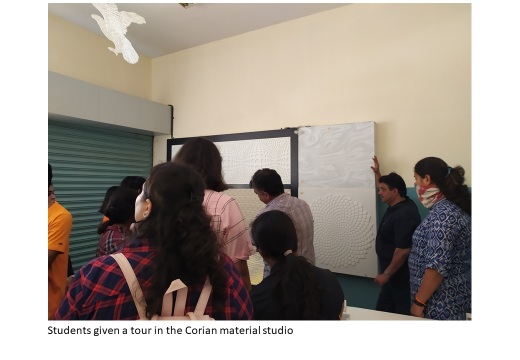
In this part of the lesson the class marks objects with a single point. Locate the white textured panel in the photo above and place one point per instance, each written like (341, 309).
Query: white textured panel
(344, 229)
(241, 159)
(336, 156)
(251, 206)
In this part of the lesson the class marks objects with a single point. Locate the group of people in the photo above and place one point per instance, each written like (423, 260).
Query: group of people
(178, 225)
(426, 265)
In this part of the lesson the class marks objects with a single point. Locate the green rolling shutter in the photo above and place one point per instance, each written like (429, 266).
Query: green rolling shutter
(86, 161)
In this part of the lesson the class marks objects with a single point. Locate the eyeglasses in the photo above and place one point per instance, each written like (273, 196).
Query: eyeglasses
(51, 192)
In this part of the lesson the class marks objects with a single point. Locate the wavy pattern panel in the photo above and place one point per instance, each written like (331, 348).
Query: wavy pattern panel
(241, 159)
(337, 156)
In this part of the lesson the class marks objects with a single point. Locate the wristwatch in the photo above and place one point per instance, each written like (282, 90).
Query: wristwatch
(387, 273)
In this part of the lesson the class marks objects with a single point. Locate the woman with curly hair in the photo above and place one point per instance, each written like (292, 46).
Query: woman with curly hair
(228, 222)
(174, 240)
(440, 257)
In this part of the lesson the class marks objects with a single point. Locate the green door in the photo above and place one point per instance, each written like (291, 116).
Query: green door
(86, 161)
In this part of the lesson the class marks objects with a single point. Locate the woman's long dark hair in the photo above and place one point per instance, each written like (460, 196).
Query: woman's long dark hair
(203, 156)
(294, 283)
(187, 245)
(450, 184)
(120, 207)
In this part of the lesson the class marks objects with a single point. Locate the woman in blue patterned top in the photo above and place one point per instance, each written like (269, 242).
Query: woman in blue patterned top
(439, 261)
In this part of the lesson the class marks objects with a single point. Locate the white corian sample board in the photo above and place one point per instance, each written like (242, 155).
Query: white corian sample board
(335, 179)
(242, 158)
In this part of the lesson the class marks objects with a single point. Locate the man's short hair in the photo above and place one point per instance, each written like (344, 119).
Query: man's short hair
(394, 181)
(267, 180)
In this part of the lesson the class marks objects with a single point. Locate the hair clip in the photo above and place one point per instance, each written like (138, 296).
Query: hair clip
(449, 170)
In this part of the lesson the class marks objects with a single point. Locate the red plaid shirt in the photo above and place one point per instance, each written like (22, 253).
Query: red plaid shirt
(111, 241)
(99, 290)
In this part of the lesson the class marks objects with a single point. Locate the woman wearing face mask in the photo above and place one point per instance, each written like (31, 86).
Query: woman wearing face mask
(439, 261)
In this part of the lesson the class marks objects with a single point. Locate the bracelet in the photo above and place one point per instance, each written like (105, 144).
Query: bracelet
(387, 273)
(418, 302)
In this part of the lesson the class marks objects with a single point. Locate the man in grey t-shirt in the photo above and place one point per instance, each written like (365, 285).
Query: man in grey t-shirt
(268, 185)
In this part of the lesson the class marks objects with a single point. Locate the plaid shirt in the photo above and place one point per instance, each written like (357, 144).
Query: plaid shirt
(112, 240)
(99, 290)
(301, 216)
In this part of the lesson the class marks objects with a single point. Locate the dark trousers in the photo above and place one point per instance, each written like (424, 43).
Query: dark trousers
(395, 296)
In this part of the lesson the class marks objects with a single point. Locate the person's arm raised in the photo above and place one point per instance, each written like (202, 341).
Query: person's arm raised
(375, 169)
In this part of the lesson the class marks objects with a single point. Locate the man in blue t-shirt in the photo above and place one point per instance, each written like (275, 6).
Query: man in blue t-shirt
(393, 243)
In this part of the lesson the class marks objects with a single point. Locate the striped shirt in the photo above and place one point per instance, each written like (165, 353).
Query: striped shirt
(229, 224)
(300, 214)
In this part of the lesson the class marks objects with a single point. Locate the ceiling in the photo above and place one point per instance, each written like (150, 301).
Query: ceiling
(170, 28)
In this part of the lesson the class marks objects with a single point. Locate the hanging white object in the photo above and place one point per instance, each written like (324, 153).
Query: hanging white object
(114, 24)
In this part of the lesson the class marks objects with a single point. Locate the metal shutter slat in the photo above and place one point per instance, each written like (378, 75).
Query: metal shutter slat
(86, 161)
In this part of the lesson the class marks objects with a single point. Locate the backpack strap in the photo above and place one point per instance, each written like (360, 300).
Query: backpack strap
(203, 299)
(133, 284)
(180, 301)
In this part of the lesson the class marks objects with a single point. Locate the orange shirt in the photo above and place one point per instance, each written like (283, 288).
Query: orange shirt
(60, 224)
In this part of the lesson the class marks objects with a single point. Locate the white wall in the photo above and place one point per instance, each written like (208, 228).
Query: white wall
(405, 66)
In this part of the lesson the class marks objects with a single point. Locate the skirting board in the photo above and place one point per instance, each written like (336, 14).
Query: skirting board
(344, 229)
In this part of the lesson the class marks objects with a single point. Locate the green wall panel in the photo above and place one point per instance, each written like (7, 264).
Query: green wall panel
(86, 161)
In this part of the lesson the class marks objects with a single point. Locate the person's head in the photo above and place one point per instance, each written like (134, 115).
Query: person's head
(120, 208)
(274, 233)
(432, 171)
(203, 156)
(133, 182)
(392, 188)
(169, 212)
(110, 191)
(267, 184)
(52, 197)
(294, 281)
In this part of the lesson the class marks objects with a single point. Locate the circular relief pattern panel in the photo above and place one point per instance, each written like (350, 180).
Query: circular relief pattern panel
(241, 159)
(342, 231)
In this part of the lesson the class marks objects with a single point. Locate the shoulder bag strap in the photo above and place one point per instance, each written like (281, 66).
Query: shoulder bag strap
(203, 299)
(133, 284)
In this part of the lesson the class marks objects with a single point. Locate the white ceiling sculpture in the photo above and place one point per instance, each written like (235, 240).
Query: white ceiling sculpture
(171, 28)
(114, 24)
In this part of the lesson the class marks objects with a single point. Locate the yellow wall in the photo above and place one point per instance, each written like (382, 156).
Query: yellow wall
(83, 55)
(405, 66)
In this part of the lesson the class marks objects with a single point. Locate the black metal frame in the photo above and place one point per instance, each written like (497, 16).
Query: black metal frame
(287, 132)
